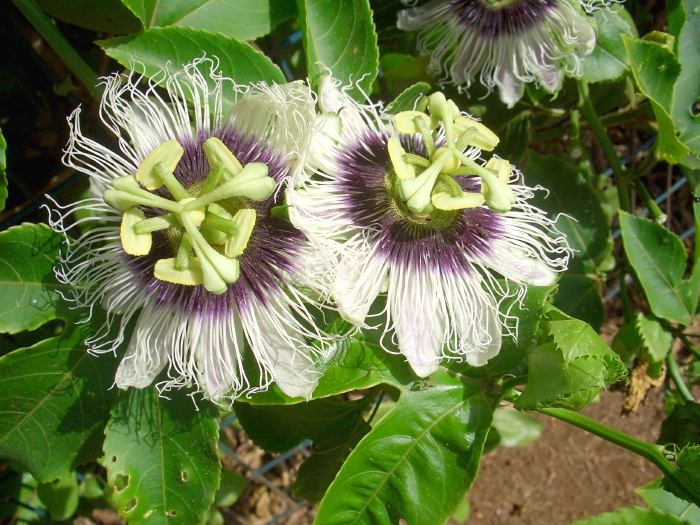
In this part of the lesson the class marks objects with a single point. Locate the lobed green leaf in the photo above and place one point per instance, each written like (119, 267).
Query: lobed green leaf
(682, 426)
(161, 457)
(411, 99)
(636, 515)
(159, 48)
(339, 37)
(686, 483)
(662, 500)
(56, 401)
(240, 19)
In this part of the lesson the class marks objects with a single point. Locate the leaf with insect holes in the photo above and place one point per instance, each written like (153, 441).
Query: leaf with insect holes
(161, 456)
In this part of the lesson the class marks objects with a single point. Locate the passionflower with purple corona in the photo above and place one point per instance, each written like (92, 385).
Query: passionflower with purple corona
(188, 244)
(406, 207)
(506, 43)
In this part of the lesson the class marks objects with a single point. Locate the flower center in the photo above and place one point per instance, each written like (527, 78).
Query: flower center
(211, 233)
(426, 185)
(498, 4)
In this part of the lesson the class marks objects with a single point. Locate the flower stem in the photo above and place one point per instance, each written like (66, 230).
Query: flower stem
(677, 379)
(654, 209)
(591, 117)
(650, 452)
(690, 346)
(60, 45)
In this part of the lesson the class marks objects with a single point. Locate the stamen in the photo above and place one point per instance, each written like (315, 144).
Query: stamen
(416, 192)
(485, 138)
(156, 224)
(127, 193)
(169, 153)
(211, 220)
(252, 182)
(184, 253)
(217, 153)
(213, 178)
(132, 242)
(191, 276)
(445, 201)
(396, 154)
(174, 187)
(237, 242)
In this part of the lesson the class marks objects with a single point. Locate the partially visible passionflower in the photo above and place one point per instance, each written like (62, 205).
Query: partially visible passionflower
(504, 43)
(188, 244)
(406, 206)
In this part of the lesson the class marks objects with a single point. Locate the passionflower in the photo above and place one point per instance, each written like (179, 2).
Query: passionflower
(188, 246)
(406, 206)
(507, 43)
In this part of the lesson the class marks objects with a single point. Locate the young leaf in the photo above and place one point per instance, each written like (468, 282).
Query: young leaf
(655, 339)
(659, 499)
(56, 401)
(339, 36)
(608, 61)
(636, 515)
(161, 456)
(516, 429)
(3, 167)
(658, 258)
(28, 286)
(157, 48)
(60, 496)
(231, 487)
(686, 94)
(240, 19)
(580, 296)
(417, 462)
(570, 368)
(655, 71)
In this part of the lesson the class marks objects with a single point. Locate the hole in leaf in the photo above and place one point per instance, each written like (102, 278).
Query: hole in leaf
(171, 513)
(148, 514)
(130, 505)
(121, 482)
(695, 109)
(114, 459)
(184, 476)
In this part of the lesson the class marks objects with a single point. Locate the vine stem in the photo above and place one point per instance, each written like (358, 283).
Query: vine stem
(60, 45)
(675, 374)
(652, 453)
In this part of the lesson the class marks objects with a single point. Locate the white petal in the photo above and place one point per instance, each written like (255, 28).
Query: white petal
(358, 282)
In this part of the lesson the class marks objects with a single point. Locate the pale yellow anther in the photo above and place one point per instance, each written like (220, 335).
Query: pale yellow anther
(396, 152)
(485, 138)
(406, 121)
(217, 152)
(501, 167)
(445, 201)
(452, 163)
(197, 215)
(236, 244)
(191, 276)
(132, 242)
(169, 153)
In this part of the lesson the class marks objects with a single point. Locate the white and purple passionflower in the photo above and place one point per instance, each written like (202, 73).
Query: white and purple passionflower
(188, 243)
(510, 42)
(405, 206)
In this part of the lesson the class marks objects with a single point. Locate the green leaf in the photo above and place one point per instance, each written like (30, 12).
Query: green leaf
(157, 48)
(658, 259)
(241, 19)
(682, 426)
(339, 36)
(231, 486)
(655, 71)
(280, 428)
(608, 61)
(686, 95)
(413, 98)
(686, 483)
(636, 515)
(56, 401)
(161, 456)
(106, 16)
(656, 339)
(584, 223)
(417, 462)
(516, 429)
(580, 297)
(60, 497)
(661, 500)
(3, 175)
(28, 286)
(570, 368)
